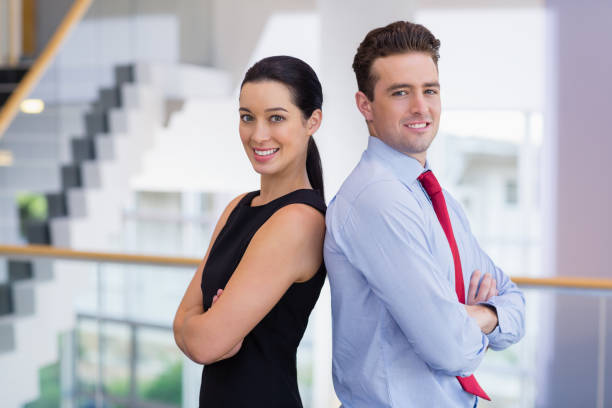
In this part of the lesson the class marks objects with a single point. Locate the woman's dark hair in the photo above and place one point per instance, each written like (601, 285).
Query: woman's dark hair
(306, 93)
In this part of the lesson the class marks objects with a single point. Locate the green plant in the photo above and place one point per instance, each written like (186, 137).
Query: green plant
(50, 394)
(166, 387)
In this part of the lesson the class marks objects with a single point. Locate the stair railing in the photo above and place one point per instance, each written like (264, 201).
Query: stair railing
(35, 73)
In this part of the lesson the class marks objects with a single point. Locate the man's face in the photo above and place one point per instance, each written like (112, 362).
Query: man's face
(405, 112)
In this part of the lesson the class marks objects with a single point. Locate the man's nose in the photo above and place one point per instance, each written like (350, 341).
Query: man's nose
(418, 104)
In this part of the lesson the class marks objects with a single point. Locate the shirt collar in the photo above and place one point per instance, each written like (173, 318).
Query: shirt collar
(404, 167)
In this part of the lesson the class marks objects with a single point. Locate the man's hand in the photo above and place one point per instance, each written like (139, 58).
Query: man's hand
(488, 288)
(485, 316)
(237, 347)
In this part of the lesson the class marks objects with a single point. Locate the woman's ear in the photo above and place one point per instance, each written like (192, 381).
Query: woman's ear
(314, 121)
(364, 105)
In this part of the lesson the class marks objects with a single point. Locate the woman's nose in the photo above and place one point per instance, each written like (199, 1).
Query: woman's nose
(261, 133)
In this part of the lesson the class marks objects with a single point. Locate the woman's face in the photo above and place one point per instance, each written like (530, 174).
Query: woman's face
(273, 130)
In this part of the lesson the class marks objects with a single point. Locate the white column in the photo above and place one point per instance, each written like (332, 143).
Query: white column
(344, 24)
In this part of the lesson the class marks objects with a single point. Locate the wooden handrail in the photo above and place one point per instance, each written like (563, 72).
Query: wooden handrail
(63, 253)
(46, 251)
(36, 71)
(569, 282)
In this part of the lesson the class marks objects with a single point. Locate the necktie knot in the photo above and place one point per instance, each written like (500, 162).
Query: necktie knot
(429, 183)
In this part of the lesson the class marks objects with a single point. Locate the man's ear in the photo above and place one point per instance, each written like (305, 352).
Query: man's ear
(364, 105)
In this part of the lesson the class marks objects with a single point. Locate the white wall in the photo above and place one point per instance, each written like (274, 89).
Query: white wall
(490, 58)
(237, 26)
(194, 22)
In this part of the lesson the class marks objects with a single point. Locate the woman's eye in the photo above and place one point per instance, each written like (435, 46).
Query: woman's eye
(246, 117)
(276, 118)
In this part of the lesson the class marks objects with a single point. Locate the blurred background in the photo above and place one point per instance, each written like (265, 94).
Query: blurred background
(118, 134)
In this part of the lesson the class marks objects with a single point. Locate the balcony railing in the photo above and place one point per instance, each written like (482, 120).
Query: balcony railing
(122, 351)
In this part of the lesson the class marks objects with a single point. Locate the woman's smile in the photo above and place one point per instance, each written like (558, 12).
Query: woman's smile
(263, 155)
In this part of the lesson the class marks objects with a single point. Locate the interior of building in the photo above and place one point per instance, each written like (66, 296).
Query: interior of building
(109, 110)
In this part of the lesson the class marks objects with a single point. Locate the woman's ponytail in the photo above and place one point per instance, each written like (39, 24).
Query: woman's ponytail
(314, 168)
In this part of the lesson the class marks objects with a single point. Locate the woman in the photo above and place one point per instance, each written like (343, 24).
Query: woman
(246, 309)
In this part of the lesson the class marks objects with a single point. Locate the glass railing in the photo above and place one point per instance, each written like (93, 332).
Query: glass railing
(121, 352)
(561, 361)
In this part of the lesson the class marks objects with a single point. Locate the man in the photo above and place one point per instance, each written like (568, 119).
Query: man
(413, 314)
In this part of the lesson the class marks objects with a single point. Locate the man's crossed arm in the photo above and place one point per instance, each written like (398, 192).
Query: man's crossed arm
(485, 315)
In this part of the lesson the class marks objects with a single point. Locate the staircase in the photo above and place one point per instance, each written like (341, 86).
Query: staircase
(93, 184)
(9, 78)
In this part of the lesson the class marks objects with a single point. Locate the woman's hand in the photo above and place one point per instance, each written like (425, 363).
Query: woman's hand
(237, 347)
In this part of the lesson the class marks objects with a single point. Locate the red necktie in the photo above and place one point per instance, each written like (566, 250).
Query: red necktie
(433, 189)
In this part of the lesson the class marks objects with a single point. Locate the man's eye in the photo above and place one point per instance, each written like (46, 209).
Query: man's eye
(246, 117)
(431, 92)
(399, 93)
(276, 118)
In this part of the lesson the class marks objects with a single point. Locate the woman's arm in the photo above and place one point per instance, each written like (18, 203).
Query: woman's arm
(192, 302)
(288, 248)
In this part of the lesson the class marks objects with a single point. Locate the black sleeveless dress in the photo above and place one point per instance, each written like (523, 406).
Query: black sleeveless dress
(263, 373)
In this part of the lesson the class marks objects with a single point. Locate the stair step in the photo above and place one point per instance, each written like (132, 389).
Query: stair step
(108, 98)
(37, 232)
(33, 177)
(96, 123)
(76, 233)
(6, 299)
(30, 149)
(19, 270)
(7, 336)
(24, 297)
(49, 119)
(56, 205)
(12, 74)
(124, 74)
(10, 235)
(7, 87)
(83, 149)
(8, 206)
(4, 97)
(71, 176)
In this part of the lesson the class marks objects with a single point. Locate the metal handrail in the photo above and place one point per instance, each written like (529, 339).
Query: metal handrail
(37, 70)
(46, 251)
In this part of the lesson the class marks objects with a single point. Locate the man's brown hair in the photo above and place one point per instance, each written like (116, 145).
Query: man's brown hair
(396, 38)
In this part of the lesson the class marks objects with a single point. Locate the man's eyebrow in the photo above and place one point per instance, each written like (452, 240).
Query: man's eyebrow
(410, 86)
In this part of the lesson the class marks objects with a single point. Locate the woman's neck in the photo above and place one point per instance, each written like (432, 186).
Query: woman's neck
(274, 186)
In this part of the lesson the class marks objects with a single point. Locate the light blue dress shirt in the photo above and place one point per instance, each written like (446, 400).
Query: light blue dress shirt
(400, 336)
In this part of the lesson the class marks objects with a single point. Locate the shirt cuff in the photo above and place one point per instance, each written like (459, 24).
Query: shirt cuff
(502, 323)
